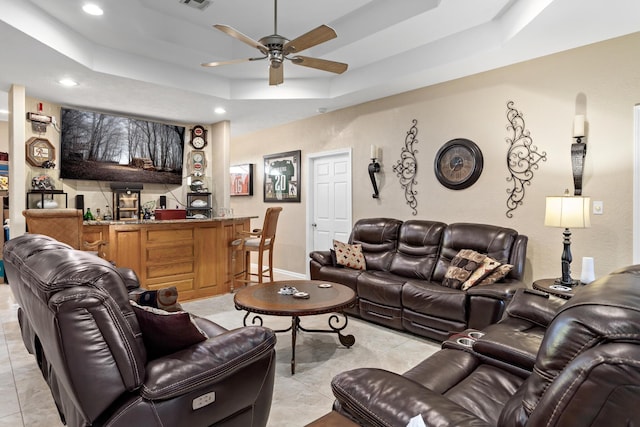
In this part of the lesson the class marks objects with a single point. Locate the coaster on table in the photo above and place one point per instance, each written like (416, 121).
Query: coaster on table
(302, 295)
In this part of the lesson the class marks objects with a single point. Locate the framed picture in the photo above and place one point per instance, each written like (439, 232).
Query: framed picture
(282, 177)
(241, 180)
(39, 150)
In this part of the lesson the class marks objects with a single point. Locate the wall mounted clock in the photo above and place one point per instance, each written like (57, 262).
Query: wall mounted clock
(458, 164)
(39, 150)
(198, 137)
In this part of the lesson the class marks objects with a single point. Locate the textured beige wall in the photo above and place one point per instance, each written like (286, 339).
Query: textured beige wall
(600, 81)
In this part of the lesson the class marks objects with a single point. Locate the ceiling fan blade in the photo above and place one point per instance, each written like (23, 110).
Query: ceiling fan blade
(314, 37)
(276, 75)
(243, 38)
(231, 61)
(320, 64)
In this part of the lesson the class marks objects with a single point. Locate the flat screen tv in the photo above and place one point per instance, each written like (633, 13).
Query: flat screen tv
(103, 147)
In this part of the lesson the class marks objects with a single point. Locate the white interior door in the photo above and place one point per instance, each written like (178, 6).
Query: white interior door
(329, 209)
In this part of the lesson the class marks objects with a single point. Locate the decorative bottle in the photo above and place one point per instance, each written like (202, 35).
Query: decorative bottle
(88, 216)
(107, 214)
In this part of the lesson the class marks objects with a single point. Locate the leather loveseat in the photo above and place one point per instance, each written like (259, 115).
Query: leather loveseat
(76, 319)
(406, 263)
(585, 371)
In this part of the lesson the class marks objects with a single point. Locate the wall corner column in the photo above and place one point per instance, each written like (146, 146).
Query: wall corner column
(17, 165)
(221, 140)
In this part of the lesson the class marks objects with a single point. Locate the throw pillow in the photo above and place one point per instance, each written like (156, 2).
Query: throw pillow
(167, 299)
(461, 267)
(488, 265)
(164, 299)
(334, 260)
(349, 255)
(165, 333)
(497, 274)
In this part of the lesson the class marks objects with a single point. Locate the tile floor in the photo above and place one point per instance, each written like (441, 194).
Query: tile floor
(298, 399)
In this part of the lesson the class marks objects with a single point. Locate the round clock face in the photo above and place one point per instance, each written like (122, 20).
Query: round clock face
(458, 164)
(197, 157)
(198, 142)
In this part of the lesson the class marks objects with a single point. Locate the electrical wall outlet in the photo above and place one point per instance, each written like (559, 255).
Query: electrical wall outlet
(204, 400)
(598, 207)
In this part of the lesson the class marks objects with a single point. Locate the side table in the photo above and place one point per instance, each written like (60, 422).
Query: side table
(549, 286)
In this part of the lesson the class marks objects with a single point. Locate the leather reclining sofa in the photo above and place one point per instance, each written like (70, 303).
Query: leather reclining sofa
(76, 319)
(405, 264)
(549, 362)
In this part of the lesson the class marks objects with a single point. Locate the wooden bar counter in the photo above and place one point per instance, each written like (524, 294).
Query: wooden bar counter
(191, 254)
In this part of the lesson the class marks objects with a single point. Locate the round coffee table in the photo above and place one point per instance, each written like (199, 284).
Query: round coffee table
(324, 297)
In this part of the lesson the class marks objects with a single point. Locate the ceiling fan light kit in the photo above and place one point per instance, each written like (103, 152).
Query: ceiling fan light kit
(277, 48)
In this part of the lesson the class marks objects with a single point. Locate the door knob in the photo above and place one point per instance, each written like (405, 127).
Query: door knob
(314, 225)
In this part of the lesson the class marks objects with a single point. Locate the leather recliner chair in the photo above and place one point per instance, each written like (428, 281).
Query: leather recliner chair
(76, 318)
(586, 372)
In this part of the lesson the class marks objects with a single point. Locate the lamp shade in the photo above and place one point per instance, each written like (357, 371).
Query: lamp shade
(567, 212)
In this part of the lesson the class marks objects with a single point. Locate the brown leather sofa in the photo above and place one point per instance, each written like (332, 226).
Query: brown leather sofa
(76, 319)
(585, 371)
(405, 264)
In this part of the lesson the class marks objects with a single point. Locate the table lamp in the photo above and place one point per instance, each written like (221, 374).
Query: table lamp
(567, 212)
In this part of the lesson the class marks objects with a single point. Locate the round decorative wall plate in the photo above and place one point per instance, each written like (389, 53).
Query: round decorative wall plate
(458, 164)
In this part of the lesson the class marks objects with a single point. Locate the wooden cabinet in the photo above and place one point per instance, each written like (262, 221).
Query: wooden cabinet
(193, 256)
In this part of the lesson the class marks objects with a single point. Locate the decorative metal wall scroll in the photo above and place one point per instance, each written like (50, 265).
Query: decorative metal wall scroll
(522, 158)
(407, 167)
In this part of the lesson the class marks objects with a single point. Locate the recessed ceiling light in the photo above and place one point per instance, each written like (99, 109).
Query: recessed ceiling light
(68, 82)
(92, 9)
(219, 110)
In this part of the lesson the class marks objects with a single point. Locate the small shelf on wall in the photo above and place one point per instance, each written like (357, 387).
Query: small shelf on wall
(42, 199)
(126, 205)
(199, 205)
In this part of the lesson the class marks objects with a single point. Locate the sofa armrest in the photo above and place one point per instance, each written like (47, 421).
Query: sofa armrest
(534, 306)
(381, 398)
(499, 290)
(207, 362)
(321, 257)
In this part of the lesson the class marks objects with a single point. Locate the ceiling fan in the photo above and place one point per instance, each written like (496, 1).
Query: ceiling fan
(277, 48)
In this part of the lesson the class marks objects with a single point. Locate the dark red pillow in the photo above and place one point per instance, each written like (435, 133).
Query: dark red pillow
(166, 332)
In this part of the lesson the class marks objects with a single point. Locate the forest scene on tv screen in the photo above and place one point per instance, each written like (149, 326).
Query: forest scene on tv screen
(103, 147)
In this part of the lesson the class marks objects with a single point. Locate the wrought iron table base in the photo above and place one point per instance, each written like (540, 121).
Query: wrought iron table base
(345, 340)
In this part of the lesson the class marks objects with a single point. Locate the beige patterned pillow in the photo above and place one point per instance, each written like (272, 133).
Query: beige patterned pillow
(461, 267)
(488, 265)
(497, 274)
(349, 255)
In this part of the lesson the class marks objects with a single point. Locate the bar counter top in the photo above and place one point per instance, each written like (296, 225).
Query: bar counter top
(171, 221)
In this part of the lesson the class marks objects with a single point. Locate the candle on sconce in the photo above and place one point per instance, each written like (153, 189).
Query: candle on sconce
(374, 152)
(578, 126)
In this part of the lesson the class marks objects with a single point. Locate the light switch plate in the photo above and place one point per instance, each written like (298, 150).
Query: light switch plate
(598, 207)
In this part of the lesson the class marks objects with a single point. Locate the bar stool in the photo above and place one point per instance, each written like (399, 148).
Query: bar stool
(259, 240)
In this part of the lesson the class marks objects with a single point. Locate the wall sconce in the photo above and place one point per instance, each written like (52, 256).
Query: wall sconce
(567, 212)
(578, 153)
(374, 167)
